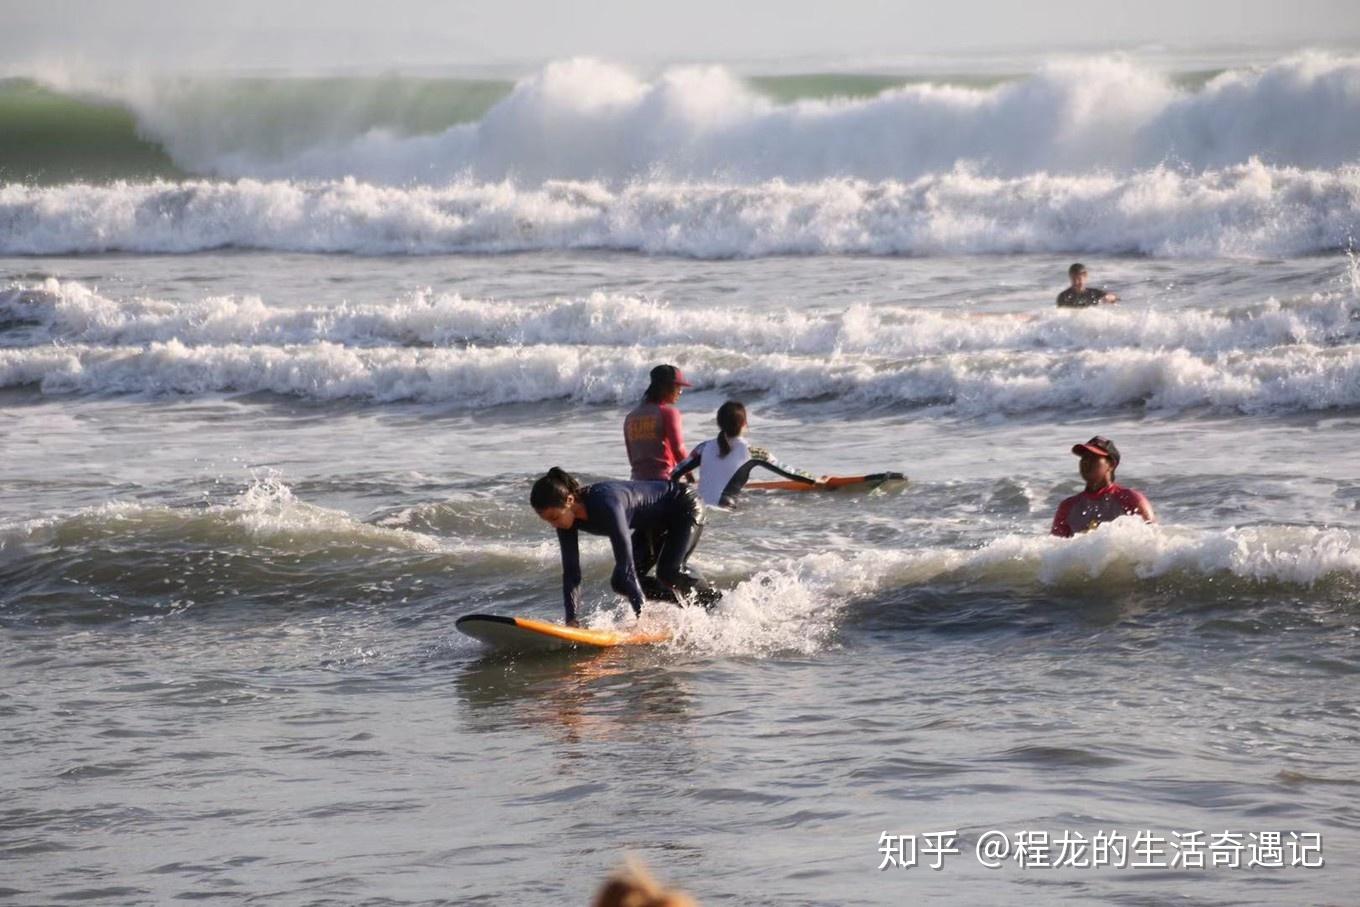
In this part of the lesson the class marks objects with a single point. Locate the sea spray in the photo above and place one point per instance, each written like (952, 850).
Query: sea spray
(587, 119)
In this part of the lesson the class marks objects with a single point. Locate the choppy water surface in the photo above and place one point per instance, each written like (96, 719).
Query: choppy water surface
(280, 356)
(246, 495)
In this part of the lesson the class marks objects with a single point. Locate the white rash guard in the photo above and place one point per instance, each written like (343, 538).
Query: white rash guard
(721, 478)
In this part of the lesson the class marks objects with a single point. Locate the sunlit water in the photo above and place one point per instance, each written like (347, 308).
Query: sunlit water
(246, 495)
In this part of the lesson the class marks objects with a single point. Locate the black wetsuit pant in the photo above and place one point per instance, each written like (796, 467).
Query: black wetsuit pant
(667, 547)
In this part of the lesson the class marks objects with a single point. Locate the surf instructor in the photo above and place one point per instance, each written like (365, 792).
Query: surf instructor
(647, 523)
(652, 431)
(1102, 500)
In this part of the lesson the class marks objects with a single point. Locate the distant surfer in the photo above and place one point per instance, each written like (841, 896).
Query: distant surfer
(1079, 295)
(653, 432)
(647, 523)
(1102, 500)
(725, 463)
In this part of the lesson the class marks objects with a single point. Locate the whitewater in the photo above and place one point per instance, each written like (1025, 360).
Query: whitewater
(1098, 155)
(281, 354)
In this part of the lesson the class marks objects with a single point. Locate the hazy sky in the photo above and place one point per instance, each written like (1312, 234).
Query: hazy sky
(334, 34)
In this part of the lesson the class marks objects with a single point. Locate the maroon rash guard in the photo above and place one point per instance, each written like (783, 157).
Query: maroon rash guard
(655, 440)
(1087, 510)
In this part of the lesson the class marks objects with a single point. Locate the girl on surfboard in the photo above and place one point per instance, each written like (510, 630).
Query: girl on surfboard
(725, 463)
(647, 523)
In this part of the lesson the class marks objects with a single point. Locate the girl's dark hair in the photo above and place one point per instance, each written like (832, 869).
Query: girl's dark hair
(551, 490)
(731, 419)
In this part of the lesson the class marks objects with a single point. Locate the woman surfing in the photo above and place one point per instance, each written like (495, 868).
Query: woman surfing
(647, 523)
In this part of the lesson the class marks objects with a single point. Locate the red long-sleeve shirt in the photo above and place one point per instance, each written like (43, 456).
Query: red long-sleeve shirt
(655, 441)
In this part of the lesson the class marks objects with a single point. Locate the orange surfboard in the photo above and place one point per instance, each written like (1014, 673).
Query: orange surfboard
(830, 483)
(524, 634)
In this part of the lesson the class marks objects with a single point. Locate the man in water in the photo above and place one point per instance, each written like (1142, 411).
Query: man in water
(652, 431)
(1102, 500)
(1079, 295)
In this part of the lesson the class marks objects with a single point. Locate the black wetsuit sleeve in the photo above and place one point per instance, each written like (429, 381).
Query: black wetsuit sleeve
(625, 570)
(568, 539)
(743, 475)
(688, 464)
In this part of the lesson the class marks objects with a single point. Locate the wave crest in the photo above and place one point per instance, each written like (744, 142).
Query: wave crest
(585, 119)
(70, 312)
(1299, 378)
(1242, 211)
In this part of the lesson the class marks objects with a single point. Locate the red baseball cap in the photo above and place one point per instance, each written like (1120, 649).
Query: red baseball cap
(666, 375)
(1100, 447)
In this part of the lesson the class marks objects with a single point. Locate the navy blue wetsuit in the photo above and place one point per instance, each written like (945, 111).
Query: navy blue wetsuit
(648, 523)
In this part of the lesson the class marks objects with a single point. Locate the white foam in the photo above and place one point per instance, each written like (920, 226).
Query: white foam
(796, 606)
(73, 313)
(1124, 552)
(1250, 209)
(1293, 378)
(1132, 551)
(588, 119)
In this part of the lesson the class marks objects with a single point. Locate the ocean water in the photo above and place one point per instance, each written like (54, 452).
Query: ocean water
(276, 373)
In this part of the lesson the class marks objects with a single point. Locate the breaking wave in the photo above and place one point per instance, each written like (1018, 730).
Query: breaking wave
(1245, 210)
(797, 606)
(70, 312)
(586, 119)
(1299, 355)
(1297, 378)
(1099, 155)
